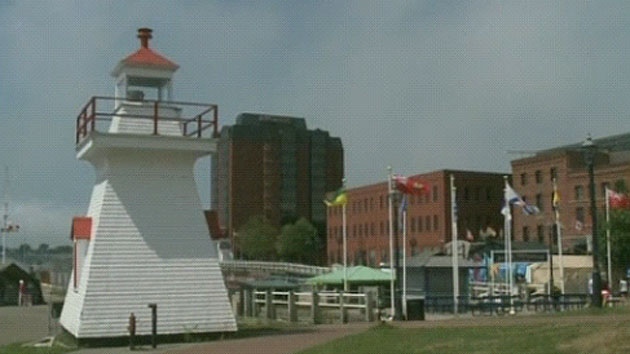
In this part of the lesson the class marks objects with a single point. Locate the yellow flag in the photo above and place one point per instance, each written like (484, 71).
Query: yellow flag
(339, 198)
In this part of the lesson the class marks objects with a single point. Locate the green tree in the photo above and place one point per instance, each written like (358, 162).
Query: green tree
(299, 243)
(256, 239)
(619, 240)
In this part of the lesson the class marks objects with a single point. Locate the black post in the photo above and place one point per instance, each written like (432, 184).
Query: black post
(398, 315)
(153, 325)
(589, 152)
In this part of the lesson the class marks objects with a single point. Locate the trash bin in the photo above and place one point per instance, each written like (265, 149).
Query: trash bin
(415, 309)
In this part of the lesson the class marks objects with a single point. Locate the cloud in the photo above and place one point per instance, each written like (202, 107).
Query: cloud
(417, 85)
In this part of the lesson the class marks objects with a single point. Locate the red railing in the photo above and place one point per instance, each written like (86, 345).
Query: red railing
(193, 125)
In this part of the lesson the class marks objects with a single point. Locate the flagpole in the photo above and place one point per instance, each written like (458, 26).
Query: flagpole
(404, 259)
(454, 247)
(556, 208)
(508, 243)
(391, 238)
(345, 247)
(608, 240)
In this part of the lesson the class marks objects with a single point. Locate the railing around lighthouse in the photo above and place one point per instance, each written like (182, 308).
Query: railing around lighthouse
(195, 120)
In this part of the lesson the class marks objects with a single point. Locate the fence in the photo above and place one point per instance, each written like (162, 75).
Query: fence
(313, 307)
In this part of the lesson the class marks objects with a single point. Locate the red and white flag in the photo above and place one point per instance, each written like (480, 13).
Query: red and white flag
(618, 200)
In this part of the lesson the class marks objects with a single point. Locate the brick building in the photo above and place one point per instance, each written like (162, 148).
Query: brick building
(479, 197)
(273, 166)
(533, 176)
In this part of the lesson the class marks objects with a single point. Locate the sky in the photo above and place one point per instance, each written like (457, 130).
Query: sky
(416, 85)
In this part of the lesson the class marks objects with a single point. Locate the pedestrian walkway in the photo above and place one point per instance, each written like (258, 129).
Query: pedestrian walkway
(268, 344)
(24, 324)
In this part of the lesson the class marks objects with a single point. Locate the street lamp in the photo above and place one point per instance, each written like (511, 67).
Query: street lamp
(398, 315)
(589, 149)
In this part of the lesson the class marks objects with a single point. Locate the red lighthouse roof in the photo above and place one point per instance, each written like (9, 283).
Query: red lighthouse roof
(145, 57)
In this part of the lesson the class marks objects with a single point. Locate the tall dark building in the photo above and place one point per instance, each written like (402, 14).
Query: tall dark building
(274, 166)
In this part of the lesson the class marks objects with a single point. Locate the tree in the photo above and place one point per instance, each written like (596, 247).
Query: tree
(256, 239)
(299, 243)
(619, 240)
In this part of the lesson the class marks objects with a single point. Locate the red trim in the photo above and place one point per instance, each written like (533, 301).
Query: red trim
(81, 228)
(75, 266)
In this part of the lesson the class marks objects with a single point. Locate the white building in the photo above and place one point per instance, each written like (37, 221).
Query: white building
(144, 239)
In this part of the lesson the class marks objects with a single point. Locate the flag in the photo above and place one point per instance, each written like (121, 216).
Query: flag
(618, 200)
(338, 198)
(401, 211)
(513, 198)
(410, 185)
(555, 198)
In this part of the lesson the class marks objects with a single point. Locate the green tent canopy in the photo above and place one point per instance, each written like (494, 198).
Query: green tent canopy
(357, 275)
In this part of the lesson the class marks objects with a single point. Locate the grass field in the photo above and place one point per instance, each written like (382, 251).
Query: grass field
(587, 331)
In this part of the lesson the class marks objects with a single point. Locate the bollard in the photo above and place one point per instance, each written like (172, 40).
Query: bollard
(153, 325)
(132, 331)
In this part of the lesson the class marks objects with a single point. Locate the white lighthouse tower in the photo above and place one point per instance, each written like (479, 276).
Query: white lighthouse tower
(144, 239)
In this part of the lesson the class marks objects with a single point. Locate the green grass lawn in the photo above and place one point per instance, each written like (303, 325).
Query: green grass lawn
(584, 332)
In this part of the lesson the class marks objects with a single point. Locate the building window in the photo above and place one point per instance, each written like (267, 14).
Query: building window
(435, 223)
(413, 225)
(605, 185)
(523, 179)
(538, 177)
(540, 233)
(435, 193)
(380, 201)
(579, 215)
(419, 224)
(539, 201)
(526, 233)
(579, 193)
(553, 173)
(427, 222)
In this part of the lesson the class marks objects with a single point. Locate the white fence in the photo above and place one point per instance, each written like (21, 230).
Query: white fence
(314, 305)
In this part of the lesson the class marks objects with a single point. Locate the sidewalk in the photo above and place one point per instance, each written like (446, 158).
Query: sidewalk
(267, 344)
(23, 324)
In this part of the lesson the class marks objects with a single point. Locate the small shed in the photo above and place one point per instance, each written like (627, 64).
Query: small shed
(10, 275)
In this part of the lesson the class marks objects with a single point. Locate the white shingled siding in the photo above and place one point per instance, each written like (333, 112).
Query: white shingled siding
(150, 245)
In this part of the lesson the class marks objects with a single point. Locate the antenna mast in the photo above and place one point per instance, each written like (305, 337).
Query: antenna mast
(6, 226)
(5, 217)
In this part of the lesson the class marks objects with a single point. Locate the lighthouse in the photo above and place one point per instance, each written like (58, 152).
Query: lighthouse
(144, 243)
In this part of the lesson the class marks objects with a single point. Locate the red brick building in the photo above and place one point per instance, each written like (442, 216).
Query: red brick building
(533, 176)
(479, 197)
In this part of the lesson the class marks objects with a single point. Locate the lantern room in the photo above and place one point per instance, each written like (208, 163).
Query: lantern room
(145, 74)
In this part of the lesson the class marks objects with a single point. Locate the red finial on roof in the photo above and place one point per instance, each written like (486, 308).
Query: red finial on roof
(144, 34)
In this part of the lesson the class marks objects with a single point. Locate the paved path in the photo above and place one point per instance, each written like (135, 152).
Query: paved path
(268, 344)
(29, 324)
(23, 324)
